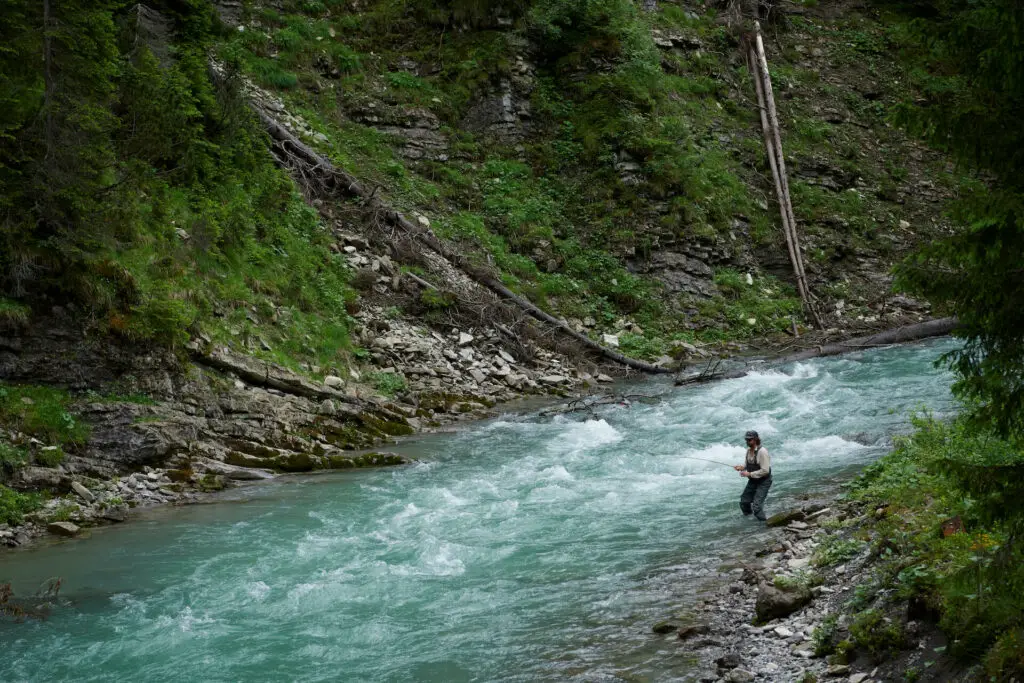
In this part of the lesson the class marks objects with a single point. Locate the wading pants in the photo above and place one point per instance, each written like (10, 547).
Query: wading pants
(753, 496)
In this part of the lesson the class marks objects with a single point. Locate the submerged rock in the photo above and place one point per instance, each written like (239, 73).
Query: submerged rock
(784, 518)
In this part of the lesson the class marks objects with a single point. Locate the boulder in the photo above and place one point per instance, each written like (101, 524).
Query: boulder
(115, 513)
(84, 493)
(784, 518)
(667, 626)
(63, 528)
(691, 630)
(729, 661)
(775, 603)
(334, 382)
(740, 676)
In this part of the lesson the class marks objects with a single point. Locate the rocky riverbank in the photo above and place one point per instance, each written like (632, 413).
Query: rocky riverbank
(806, 607)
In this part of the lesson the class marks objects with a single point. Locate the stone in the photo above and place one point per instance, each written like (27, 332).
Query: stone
(604, 378)
(838, 670)
(783, 632)
(691, 630)
(115, 513)
(904, 225)
(798, 526)
(729, 661)
(667, 626)
(553, 379)
(478, 375)
(798, 563)
(465, 339)
(610, 340)
(84, 493)
(740, 676)
(63, 528)
(858, 678)
(775, 603)
(506, 356)
(784, 518)
(334, 382)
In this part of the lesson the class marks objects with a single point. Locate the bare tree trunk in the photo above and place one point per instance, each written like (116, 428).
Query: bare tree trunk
(776, 159)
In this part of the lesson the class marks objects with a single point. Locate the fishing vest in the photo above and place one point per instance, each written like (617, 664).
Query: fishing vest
(752, 465)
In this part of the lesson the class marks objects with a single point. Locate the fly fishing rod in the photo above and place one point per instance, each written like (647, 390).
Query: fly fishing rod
(717, 462)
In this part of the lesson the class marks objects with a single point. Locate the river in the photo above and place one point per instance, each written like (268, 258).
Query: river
(519, 549)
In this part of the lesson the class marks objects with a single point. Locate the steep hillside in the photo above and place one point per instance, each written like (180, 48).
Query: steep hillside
(178, 288)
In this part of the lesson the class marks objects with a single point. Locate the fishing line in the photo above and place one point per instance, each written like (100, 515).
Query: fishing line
(717, 462)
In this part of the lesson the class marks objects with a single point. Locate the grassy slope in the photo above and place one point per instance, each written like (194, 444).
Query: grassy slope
(553, 211)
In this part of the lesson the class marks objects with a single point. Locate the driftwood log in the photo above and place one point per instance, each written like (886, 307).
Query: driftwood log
(317, 174)
(899, 335)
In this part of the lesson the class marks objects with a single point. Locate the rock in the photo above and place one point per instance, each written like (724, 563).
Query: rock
(740, 676)
(729, 661)
(554, 379)
(478, 375)
(691, 630)
(783, 632)
(610, 340)
(784, 518)
(798, 563)
(904, 225)
(84, 493)
(858, 678)
(63, 528)
(798, 526)
(604, 378)
(465, 339)
(774, 603)
(334, 382)
(116, 513)
(38, 478)
(506, 356)
(667, 626)
(838, 670)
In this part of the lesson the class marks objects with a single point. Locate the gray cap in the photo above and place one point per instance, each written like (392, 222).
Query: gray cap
(751, 435)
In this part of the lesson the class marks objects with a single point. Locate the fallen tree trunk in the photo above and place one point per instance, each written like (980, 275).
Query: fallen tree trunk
(318, 174)
(899, 335)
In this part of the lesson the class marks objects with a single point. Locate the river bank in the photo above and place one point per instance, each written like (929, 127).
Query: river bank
(542, 545)
(270, 420)
(795, 608)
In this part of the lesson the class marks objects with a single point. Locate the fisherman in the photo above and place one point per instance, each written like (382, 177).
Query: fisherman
(757, 470)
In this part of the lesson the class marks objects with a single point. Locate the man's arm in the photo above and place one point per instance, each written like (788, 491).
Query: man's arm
(765, 461)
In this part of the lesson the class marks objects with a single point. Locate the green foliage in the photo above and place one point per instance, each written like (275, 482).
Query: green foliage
(388, 383)
(767, 302)
(969, 60)
(13, 312)
(879, 636)
(43, 412)
(834, 550)
(50, 456)
(973, 578)
(12, 456)
(824, 636)
(14, 506)
(63, 512)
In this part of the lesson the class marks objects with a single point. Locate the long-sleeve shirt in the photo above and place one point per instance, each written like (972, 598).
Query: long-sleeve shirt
(762, 459)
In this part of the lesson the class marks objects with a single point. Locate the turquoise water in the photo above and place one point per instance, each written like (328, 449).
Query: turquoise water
(520, 549)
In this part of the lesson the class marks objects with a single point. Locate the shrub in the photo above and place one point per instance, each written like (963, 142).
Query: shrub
(14, 506)
(872, 632)
(388, 383)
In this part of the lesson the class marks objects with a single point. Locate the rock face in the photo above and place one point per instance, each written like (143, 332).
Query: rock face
(775, 603)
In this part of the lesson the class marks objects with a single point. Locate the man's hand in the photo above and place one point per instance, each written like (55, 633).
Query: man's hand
(738, 468)
(745, 474)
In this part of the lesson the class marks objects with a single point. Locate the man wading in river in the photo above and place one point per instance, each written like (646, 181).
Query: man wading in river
(758, 472)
